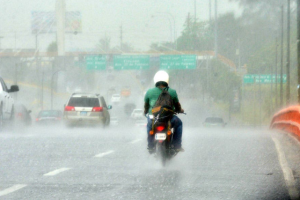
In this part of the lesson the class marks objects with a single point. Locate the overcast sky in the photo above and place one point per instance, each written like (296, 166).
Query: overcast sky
(144, 22)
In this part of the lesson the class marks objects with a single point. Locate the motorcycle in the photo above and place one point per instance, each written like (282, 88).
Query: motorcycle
(163, 138)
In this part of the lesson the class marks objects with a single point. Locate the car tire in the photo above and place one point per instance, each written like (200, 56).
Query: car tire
(1, 118)
(11, 121)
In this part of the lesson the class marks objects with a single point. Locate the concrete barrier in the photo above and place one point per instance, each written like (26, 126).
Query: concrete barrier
(287, 120)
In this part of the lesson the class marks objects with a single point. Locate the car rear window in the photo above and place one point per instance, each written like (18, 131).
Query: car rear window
(49, 113)
(214, 120)
(84, 102)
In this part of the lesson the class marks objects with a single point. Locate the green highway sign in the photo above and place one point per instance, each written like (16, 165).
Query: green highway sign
(178, 62)
(133, 62)
(264, 78)
(95, 62)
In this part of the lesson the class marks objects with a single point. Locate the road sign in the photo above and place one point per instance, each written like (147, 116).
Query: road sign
(95, 62)
(264, 78)
(134, 62)
(178, 62)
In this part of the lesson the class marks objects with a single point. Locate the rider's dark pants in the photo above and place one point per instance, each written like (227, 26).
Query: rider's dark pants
(176, 124)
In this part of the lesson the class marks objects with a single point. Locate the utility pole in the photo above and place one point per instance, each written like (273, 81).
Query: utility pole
(60, 25)
(298, 47)
(276, 74)
(121, 37)
(195, 10)
(15, 41)
(209, 12)
(216, 28)
(281, 60)
(259, 97)
(16, 79)
(288, 77)
(1, 37)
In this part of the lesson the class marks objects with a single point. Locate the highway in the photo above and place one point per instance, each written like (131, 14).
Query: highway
(55, 162)
(113, 163)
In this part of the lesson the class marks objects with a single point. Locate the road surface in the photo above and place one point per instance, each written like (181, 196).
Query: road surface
(90, 163)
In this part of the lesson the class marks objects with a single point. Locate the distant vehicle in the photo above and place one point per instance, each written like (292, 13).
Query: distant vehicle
(86, 109)
(114, 121)
(137, 114)
(47, 117)
(111, 91)
(128, 108)
(116, 98)
(214, 122)
(22, 115)
(6, 102)
(126, 92)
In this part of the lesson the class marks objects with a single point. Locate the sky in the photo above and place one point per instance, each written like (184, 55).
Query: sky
(143, 22)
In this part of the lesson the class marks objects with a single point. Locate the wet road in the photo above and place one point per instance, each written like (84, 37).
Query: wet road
(88, 163)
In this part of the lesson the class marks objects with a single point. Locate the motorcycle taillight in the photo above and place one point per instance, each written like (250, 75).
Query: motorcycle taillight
(160, 128)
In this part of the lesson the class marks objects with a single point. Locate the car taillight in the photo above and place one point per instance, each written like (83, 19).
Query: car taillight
(37, 119)
(19, 115)
(160, 128)
(97, 109)
(69, 108)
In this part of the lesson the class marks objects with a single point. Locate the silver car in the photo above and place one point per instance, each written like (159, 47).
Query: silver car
(86, 109)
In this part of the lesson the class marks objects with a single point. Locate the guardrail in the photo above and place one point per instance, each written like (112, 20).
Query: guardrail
(287, 120)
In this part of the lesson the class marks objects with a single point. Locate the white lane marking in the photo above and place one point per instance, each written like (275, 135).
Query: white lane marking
(104, 154)
(135, 141)
(287, 172)
(12, 189)
(57, 171)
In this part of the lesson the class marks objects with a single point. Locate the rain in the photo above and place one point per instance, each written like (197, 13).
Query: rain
(123, 99)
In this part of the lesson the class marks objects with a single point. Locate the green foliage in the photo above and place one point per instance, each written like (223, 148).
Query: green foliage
(165, 46)
(52, 47)
(195, 36)
(104, 44)
(219, 81)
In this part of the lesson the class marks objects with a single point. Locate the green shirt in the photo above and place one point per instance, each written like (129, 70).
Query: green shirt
(153, 94)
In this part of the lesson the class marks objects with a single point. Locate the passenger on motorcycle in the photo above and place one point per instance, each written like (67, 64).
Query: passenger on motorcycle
(161, 81)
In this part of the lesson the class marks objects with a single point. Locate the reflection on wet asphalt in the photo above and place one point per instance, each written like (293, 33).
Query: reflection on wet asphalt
(217, 164)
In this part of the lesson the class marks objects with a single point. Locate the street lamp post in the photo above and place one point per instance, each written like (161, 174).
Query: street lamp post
(1, 37)
(281, 60)
(298, 48)
(288, 96)
(216, 28)
(52, 86)
(174, 26)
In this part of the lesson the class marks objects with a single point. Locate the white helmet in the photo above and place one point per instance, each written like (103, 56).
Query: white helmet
(161, 76)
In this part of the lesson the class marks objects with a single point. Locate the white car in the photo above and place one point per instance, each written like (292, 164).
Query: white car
(6, 102)
(116, 98)
(86, 109)
(137, 114)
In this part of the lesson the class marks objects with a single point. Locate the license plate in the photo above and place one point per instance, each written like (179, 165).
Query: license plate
(83, 113)
(160, 136)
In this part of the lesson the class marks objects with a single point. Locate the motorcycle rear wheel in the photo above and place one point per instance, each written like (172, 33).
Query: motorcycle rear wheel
(162, 153)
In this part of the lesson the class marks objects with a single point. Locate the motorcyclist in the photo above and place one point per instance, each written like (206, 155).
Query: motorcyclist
(161, 81)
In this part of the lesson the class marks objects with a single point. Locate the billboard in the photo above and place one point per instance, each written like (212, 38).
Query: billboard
(45, 22)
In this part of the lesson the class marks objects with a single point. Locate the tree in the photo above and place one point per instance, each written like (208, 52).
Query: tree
(104, 44)
(221, 81)
(196, 36)
(52, 47)
(164, 46)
